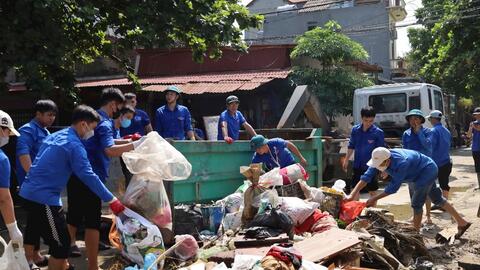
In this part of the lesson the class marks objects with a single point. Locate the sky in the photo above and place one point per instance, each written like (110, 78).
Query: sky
(403, 45)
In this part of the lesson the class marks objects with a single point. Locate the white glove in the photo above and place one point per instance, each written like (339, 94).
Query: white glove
(15, 234)
(140, 141)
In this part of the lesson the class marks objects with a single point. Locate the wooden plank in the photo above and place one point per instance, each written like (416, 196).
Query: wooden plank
(326, 244)
(240, 242)
(294, 107)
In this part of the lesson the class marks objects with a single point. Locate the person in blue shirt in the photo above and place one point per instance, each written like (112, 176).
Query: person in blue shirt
(199, 134)
(6, 203)
(441, 141)
(408, 166)
(124, 120)
(417, 138)
(140, 122)
(61, 154)
(31, 138)
(474, 134)
(230, 122)
(84, 207)
(363, 139)
(275, 152)
(173, 120)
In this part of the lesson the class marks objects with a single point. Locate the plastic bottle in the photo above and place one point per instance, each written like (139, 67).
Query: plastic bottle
(149, 260)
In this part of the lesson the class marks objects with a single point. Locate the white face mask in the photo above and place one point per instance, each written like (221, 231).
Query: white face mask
(382, 168)
(88, 134)
(4, 141)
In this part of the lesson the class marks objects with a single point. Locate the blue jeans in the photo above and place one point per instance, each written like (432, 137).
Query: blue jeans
(419, 193)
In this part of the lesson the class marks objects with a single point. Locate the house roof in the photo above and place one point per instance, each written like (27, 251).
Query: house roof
(316, 5)
(220, 82)
(290, 1)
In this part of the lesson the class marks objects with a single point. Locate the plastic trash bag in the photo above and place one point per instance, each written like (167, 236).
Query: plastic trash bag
(159, 158)
(232, 202)
(232, 221)
(253, 174)
(298, 209)
(349, 211)
(246, 262)
(149, 198)
(273, 218)
(138, 236)
(293, 173)
(271, 178)
(12, 258)
(188, 249)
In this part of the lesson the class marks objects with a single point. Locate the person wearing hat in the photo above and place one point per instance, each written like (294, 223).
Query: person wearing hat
(441, 140)
(230, 122)
(474, 134)
(413, 167)
(275, 152)
(6, 204)
(173, 120)
(62, 154)
(417, 138)
(31, 138)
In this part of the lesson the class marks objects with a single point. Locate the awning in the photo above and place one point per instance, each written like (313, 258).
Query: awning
(223, 82)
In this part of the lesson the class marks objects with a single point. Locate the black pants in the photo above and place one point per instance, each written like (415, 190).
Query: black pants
(84, 206)
(444, 175)
(476, 159)
(357, 173)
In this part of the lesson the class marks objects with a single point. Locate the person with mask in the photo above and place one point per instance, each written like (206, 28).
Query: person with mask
(84, 207)
(124, 120)
(408, 166)
(61, 154)
(230, 122)
(31, 138)
(474, 134)
(6, 203)
(140, 123)
(275, 152)
(174, 120)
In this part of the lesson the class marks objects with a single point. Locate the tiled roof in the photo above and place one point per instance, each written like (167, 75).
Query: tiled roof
(221, 82)
(316, 5)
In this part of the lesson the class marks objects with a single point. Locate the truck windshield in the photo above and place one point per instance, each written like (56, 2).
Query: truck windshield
(438, 101)
(388, 103)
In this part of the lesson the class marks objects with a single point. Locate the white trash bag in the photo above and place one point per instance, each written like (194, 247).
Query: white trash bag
(138, 236)
(156, 156)
(12, 259)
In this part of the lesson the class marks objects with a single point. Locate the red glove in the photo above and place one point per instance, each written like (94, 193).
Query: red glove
(228, 140)
(126, 137)
(136, 136)
(117, 207)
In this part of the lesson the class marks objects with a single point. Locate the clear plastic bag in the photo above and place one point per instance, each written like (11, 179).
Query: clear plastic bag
(158, 158)
(271, 178)
(12, 259)
(149, 198)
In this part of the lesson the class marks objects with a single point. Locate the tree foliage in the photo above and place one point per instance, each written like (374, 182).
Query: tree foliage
(44, 39)
(333, 81)
(446, 50)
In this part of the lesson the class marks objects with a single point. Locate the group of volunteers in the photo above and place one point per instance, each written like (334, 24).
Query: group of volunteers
(423, 159)
(78, 158)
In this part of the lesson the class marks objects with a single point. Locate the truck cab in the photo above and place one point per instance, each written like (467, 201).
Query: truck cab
(392, 102)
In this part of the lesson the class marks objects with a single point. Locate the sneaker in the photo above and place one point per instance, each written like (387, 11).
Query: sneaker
(75, 252)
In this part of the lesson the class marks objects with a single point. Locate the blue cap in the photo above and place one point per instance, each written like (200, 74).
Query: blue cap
(258, 141)
(415, 112)
(173, 88)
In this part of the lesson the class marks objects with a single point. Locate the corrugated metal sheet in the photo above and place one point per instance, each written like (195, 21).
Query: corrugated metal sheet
(224, 82)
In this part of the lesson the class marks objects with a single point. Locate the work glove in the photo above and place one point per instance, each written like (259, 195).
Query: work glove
(138, 142)
(116, 206)
(228, 140)
(134, 137)
(15, 234)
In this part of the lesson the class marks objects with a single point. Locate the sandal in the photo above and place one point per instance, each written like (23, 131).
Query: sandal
(43, 262)
(462, 230)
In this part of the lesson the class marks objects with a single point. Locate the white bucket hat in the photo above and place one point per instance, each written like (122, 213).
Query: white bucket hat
(6, 121)
(379, 155)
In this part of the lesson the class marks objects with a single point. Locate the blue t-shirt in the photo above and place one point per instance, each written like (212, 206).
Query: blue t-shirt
(139, 121)
(103, 138)
(61, 154)
(234, 122)
(363, 142)
(476, 139)
(405, 166)
(441, 140)
(4, 170)
(420, 142)
(279, 155)
(199, 133)
(173, 124)
(31, 138)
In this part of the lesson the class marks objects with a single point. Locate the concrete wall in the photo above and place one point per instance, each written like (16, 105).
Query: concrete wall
(289, 24)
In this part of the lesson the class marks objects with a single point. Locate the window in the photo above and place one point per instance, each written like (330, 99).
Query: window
(438, 101)
(413, 102)
(388, 103)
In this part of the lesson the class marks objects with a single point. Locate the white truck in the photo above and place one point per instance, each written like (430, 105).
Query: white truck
(392, 102)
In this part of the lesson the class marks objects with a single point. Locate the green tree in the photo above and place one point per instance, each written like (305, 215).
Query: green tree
(323, 55)
(446, 50)
(44, 39)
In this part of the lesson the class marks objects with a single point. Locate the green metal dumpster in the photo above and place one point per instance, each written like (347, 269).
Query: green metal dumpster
(215, 167)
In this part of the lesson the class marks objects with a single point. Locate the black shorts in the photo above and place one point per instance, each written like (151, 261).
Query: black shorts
(476, 159)
(34, 242)
(443, 176)
(84, 206)
(47, 222)
(372, 186)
